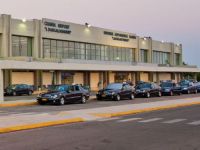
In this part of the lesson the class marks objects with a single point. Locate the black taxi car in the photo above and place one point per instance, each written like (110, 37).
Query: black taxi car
(18, 89)
(147, 89)
(61, 94)
(116, 91)
(170, 88)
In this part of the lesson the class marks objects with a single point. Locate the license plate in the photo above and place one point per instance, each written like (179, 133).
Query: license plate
(103, 95)
(44, 99)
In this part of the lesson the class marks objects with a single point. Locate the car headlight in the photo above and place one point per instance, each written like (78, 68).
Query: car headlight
(39, 95)
(54, 96)
(113, 93)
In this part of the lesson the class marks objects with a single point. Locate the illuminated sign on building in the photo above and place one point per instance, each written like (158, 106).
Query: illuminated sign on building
(50, 26)
(120, 36)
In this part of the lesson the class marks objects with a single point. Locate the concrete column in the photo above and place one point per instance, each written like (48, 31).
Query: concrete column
(7, 77)
(149, 57)
(58, 77)
(38, 79)
(133, 77)
(1, 86)
(137, 51)
(86, 78)
(157, 78)
(6, 36)
(172, 55)
(151, 77)
(138, 76)
(37, 40)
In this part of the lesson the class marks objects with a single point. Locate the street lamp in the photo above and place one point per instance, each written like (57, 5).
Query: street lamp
(87, 25)
(24, 20)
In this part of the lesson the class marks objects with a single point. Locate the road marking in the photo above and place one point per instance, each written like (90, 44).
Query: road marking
(174, 121)
(150, 120)
(130, 119)
(194, 123)
(108, 119)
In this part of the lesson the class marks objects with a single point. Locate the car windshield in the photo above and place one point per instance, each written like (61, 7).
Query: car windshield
(185, 84)
(114, 86)
(58, 88)
(12, 86)
(166, 84)
(143, 86)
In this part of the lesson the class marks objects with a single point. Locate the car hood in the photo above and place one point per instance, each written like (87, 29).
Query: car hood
(49, 93)
(142, 89)
(109, 90)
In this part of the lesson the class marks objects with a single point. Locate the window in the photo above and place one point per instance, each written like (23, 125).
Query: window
(85, 51)
(21, 46)
(143, 55)
(161, 57)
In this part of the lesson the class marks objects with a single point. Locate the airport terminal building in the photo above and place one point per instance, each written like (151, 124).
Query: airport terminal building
(45, 52)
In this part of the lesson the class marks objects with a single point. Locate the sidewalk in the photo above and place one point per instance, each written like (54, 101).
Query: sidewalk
(25, 102)
(24, 121)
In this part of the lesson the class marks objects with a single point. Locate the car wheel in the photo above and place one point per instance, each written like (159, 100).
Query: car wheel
(99, 98)
(118, 98)
(171, 93)
(188, 91)
(195, 92)
(14, 93)
(41, 103)
(62, 101)
(83, 99)
(159, 94)
(148, 95)
(132, 96)
(29, 92)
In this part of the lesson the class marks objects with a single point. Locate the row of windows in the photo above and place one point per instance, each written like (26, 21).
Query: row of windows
(77, 50)
(22, 46)
(161, 57)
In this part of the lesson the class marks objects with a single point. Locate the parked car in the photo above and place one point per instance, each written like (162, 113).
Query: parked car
(170, 88)
(116, 91)
(197, 86)
(188, 87)
(18, 89)
(147, 89)
(61, 94)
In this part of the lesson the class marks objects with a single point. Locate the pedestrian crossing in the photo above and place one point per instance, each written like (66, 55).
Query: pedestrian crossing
(152, 120)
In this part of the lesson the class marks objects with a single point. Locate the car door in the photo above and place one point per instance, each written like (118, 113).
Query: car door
(123, 91)
(152, 89)
(128, 91)
(77, 93)
(19, 89)
(69, 95)
(24, 89)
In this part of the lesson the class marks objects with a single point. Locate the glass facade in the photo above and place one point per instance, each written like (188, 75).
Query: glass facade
(161, 57)
(21, 46)
(143, 56)
(86, 51)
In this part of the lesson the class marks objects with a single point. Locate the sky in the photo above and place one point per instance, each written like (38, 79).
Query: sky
(169, 20)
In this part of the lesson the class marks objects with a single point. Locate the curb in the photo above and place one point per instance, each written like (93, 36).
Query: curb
(16, 104)
(40, 125)
(130, 112)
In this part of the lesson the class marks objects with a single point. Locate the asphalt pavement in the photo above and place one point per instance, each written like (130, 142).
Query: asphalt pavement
(90, 104)
(175, 129)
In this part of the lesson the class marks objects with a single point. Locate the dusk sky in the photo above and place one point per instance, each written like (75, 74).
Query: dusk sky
(169, 20)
